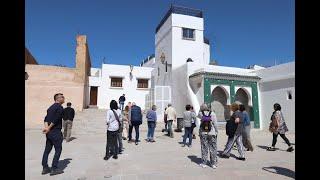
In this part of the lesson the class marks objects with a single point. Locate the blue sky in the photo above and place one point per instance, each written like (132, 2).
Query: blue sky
(241, 33)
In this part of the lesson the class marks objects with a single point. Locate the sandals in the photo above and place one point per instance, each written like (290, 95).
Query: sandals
(271, 149)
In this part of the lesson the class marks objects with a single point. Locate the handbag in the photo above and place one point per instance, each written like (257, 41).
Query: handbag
(273, 126)
(117, 118)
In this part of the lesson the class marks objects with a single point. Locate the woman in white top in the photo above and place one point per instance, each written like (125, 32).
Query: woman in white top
(113, 124)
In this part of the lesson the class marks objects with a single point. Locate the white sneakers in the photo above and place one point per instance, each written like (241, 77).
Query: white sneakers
(204, 166)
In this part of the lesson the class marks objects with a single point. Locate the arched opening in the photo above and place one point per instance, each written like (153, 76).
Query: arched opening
(219, 104)
(242, 97)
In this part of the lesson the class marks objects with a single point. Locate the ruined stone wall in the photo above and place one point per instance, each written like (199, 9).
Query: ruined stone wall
(28, 58)
(44, 81)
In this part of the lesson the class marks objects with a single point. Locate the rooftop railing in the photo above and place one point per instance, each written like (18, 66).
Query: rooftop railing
(180, 10)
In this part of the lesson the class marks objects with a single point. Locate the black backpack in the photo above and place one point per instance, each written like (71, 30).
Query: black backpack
(206, 125)
(231, 127)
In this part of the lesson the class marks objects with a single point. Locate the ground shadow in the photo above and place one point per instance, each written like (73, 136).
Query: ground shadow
(64, 163)
(220, 154)
(195, 159)
(265, 147)
(280, 170)
(72, 138)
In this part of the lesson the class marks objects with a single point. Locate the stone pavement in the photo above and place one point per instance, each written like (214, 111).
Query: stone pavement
(82, 158)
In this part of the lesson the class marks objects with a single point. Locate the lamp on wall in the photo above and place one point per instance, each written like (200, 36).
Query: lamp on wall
(131, 68)
(162, 58)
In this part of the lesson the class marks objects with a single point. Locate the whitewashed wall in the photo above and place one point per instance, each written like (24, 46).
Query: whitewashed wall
(274, 86)
(106, 93)
(183, 49)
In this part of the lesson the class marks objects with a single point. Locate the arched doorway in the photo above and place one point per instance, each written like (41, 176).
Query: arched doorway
(243, 97)
(219, 103)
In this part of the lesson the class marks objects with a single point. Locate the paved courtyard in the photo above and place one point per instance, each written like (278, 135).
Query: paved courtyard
(82, 158)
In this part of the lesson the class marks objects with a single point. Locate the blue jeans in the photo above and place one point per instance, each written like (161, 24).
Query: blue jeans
(121, 105)
(54, 139)
(170, 128)
(151, 128)
(187, 134)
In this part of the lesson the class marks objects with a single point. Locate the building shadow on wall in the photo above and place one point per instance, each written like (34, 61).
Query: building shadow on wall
(280, 170)
(63, 164)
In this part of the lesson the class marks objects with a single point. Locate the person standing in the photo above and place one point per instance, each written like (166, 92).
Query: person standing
(279, 127)
(135, 120)
(171, 116)
(188, 117)
(194, 123)
(208, 132)
(246, 140)
(125, 116)
(68, 115)
(165, 120)
(152, 121)
(234, 133)
(113, 126)
(122, 99)
(54, 137)
(129, 105)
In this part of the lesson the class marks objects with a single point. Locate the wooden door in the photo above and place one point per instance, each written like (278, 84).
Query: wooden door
(93, 95)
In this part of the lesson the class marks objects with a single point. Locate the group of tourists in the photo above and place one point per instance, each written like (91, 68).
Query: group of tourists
(120, 124)
(121, 120)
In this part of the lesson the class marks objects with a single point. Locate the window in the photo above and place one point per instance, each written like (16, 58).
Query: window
(289, 95)
(143, 83)
(158, 71)
(116, 82)
(188, 33)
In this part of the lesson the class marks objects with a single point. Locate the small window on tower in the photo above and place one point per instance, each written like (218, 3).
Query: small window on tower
(158, 71)
(289, 95)
(188, 34)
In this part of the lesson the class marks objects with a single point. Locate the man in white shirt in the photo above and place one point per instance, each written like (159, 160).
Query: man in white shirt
(171, 116)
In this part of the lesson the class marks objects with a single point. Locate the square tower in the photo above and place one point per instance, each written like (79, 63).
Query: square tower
(179, 37)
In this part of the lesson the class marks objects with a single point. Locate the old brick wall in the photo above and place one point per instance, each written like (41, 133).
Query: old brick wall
(44, 81)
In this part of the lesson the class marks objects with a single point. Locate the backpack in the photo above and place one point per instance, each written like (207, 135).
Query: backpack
(206, 125)
(118, 120)
(231, 127)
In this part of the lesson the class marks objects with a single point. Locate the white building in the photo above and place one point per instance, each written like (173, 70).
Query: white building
(111, 81)
(278, 86)
(180, 73)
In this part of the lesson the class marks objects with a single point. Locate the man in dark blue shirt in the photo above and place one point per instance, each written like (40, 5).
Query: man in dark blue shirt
(54, 138)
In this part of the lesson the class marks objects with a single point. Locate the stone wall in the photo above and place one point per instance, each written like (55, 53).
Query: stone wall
(44, 81)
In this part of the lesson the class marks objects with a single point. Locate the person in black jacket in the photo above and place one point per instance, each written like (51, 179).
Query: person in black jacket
(52, 130)
(234, 130)
(122, 99)
(68, 115)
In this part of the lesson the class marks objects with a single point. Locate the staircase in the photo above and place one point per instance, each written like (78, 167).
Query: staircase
(89, 122)
(92, 121)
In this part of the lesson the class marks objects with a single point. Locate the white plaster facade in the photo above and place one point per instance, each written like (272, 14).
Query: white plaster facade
(101, 78)
(276, 83)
